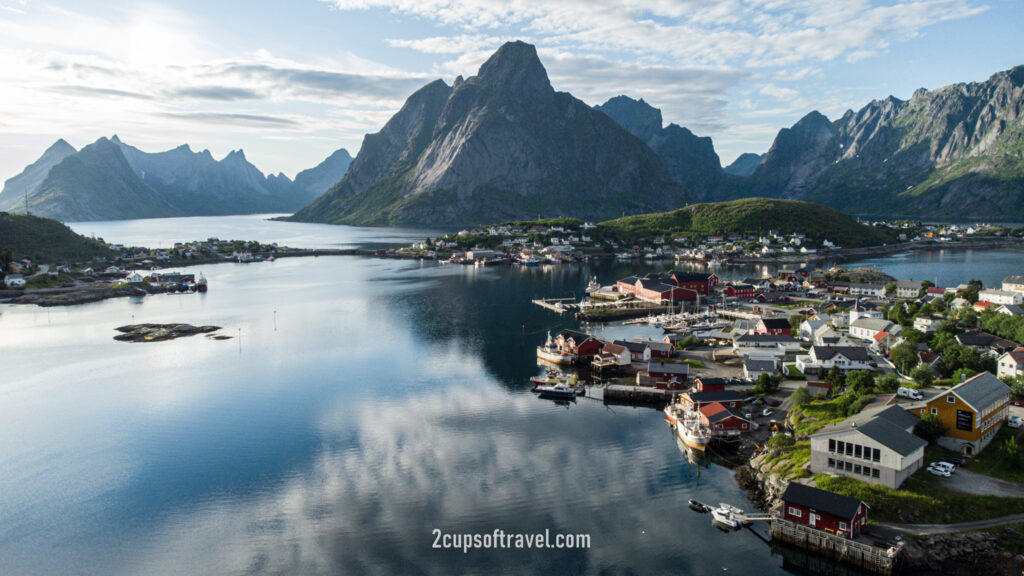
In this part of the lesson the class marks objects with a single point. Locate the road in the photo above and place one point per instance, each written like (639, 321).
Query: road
(43, 269)
(926, 529)
(974, 483)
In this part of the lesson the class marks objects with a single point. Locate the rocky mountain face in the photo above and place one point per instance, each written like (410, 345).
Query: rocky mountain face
(744, 164)
(311, 183)
(690, 160)
(110, 180)
(500, 145)
(956, 152)
(17, 187)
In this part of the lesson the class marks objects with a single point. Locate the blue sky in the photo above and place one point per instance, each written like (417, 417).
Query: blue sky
(290, 82)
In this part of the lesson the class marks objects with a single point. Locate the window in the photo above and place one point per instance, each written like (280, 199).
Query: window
(839, 446)
(876, 455)
(848, 466)
(874, 472)
(856, 468)
(831, 444)
(795, 512)
(831, 462)
(849, 449)
(951, 399)
(935, 411)
(842, 525)
(857, 450)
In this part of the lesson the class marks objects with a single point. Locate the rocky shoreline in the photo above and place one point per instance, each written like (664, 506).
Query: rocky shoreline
(161, 332)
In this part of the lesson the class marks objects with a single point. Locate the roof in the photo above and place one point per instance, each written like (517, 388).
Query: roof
(668, 368)
(716, 396)
(656, 285)
(632, 346)
(983, 339)
(613, 348)
(1017, 354)
(875, 324)
(893, 437)
(1016, 279)
(576, 335)
(629, 280)
(690, 276)
(994, 292)
(889, 426)
(867, 285)
(764, 338)
(1012, 309)
(775, 323)
(852, 352)
(660, 345)
(759, 364)
(980, 391)
(716, 412)
(744, 287)
(821, 500)
(879, 336)
(908, 284)
(706, 380)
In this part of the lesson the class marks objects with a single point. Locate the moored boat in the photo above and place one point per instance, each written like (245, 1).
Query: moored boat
(724, 517)
(558, 391)
(699, 507)
(550, 352)
(692, 432)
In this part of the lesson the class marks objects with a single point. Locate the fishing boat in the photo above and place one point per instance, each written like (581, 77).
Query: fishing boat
(692, 432)
(201, 283)
(593, 286)
(546, 378)
(550, 352)
(724, 517)
(671, 414)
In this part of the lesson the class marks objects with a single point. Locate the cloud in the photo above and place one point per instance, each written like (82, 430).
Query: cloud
(105, 93)
(252, 120)
(222, 93)
(304, 80)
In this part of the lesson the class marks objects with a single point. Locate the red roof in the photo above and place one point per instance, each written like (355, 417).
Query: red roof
(935, 290)
(928, 357)
(711, 409)
(982, 304)
(1018, 355)
(881, 335)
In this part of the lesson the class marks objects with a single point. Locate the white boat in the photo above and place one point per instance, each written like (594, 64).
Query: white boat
(558, 391)
(692, 432)
(725, 517)
(593, 286)
(550, 352)
(671, 414)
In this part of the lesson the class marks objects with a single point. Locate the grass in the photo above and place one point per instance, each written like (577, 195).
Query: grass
(794, 373)
(923, 499)
(993, 462)
(789, 462)
(1008, 540)
(693, 363)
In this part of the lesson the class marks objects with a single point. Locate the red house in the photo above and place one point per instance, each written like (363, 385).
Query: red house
(655, 290)
(777, 326)
(699, 281)
(743, 291)
(722, 420)
(668, 370)
(580, 344)
(824, 510)
(697, 400)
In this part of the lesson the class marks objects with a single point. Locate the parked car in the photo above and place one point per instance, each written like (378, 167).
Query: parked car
(766, 412)
(748, 415)
(773, 402)
(1014, 422)
(955, 460)
(943, 466)
(909, 393)
(939, 472)
(1018, 402)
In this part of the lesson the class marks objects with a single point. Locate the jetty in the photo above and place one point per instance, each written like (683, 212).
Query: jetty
(557, 305)
(835, 547)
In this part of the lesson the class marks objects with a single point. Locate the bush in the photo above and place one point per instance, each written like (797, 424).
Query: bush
(767, 384)
(929, 428)
(802, 396)
(887, 383)
(860, 381)
(780, 442)
(923, 376)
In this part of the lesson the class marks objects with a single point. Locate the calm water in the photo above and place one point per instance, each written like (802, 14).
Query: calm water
(366, 403)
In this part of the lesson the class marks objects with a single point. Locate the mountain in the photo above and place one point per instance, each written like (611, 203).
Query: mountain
(44, 240)
(311, 183)
(744, 164)
(750, 216)
(956, 152)
(690, 160)
(33, 175)
(501, 145)
(110, 180)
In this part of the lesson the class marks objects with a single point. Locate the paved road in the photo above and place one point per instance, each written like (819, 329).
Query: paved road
(974, 483)
(922, 529)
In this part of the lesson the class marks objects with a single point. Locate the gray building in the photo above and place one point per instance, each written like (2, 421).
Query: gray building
(875, 446)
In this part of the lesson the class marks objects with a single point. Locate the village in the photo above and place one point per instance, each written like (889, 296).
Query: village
(844, 398)
(566, 240)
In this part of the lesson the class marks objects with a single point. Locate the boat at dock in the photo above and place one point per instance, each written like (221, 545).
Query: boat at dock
(560, 391)
(699, 506)
(724, 517)
(550, 352)
(692, 432)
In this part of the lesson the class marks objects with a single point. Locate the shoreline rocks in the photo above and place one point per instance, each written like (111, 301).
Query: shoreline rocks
(161, 332)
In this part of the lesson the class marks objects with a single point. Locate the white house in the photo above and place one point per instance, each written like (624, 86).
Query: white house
(865, 289)
(754, 367)
(857, 313)
(907, 289)
(926, 324)
(1014, 283)
(134, 278)
(868, 328)
(1001, 296)
(1011, 364)
(14, 281)
(822, 358)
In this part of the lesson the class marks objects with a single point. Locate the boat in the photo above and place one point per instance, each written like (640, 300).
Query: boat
(550, 352)
(692, 432)
(724, 517)
(593, 286)
(560, 391)
(546, 378)
(671, 414)
(201, 283)
(699, 507)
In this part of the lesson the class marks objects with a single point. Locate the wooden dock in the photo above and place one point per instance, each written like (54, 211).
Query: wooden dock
(838, 548)
(633, 394)
(738, 314)
(558, 305)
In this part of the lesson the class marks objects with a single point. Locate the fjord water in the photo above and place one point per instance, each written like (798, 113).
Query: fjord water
(382, 400)
(366, 403)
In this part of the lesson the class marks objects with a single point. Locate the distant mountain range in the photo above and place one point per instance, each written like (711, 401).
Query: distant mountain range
(501, 145)
(111, 180)
(952, 153)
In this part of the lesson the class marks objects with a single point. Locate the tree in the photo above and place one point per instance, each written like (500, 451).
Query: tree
(836, 379)
(929, 428)
(890, 288)
(887, 383)
(904, 357)
(801, 396)
(795, 321)
(1013, 452)
(767, 384)
(913, 335)
(860, 381)
(923, 376)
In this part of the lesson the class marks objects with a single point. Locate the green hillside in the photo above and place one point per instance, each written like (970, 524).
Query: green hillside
(44, 240)
(750, 216)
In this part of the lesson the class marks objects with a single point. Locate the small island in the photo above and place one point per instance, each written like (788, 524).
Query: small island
(160, 332)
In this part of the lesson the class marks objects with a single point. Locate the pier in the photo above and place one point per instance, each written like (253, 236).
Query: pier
(557, 305)
(738, 314)
(631, 394)
(872, 558)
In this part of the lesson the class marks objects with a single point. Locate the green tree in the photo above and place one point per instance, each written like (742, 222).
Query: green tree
(929, 428)
(890, 288)
(795, 320)
(801, 396)
(860, 381)
(923, 376)
(914, 336)
(767, 384)
(836, 379)
(904, 356)
(1012, 452)
(887, 383)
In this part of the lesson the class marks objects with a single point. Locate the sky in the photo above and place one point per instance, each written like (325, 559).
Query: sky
(292, 81)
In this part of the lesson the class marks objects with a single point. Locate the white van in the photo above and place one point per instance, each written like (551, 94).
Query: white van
(909, 393)
(1013, 421)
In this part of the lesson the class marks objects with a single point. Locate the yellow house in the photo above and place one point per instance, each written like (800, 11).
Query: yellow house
(971, 411)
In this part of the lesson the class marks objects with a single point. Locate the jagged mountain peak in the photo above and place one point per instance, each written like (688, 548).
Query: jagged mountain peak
(640, 118)
(515, 64)
(61, 145)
